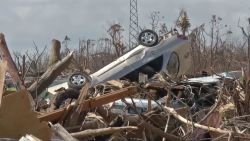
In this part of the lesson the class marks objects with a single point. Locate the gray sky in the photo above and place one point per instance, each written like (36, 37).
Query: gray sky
(25, 21)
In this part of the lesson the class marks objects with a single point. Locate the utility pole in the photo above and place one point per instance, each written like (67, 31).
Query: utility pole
(133, 24)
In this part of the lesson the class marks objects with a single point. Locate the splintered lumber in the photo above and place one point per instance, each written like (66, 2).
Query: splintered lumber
(3, 66)
(107, 98)
(92, 103)
(18, 119)
(54, 115)
(51, 73)
(74, 118)
(102, 131)
(11, 67)
(62, 133)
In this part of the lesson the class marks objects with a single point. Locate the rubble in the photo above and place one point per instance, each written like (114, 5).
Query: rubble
(155, 108)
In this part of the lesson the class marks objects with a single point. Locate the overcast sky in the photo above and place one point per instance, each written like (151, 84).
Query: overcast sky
(25, 21)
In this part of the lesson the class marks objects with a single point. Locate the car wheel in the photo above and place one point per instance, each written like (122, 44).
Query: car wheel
(76, 81)
(64, 95)
(148, 38)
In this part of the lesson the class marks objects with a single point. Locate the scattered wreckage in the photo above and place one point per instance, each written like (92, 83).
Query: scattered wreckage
(170, 55)
(139, 96)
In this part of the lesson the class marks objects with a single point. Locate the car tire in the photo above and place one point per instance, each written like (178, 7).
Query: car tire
(148, 38)
(76, 81)
(148, 70)
(64, 95)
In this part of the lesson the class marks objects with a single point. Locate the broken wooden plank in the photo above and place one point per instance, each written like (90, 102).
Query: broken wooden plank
(92, 103)
(107, 98)
(74, 118)
(102, 131)
(54, 115)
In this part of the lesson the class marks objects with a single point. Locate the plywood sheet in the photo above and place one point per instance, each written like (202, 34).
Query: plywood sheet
(18, 119)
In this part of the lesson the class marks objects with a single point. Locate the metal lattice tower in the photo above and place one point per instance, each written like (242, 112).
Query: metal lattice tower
(133, 24)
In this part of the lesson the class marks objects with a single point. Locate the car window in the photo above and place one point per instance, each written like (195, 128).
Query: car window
(173, 64)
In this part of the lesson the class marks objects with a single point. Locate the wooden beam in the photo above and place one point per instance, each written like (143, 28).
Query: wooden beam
(77, 114)
(107, 98)
(54, 115)
(92, 103)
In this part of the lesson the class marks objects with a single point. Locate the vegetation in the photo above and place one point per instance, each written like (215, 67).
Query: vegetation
(213, 48)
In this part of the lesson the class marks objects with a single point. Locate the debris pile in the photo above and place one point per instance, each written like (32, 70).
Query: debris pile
(213, 107)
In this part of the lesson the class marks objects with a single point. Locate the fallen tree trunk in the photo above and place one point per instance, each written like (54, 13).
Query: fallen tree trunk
(103, 131)
(50, 75)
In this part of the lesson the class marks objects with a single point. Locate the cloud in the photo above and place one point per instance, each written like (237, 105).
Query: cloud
(24, 21)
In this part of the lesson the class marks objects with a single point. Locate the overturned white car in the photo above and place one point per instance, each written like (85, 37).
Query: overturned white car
(169, 53)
